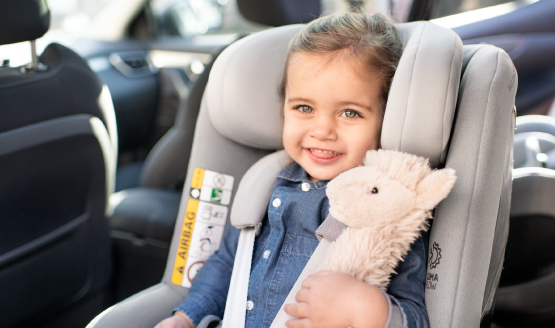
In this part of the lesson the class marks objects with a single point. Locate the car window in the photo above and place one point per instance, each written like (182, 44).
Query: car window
(69, 19)
(452, 7)
(454, 13)
(189, 18)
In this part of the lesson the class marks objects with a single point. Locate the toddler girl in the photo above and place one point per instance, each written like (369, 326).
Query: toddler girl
(335, 86)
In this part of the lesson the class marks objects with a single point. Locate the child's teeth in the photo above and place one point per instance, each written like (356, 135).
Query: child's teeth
(325, 151)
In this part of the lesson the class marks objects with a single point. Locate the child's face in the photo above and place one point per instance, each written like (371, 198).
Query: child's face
(332, 114)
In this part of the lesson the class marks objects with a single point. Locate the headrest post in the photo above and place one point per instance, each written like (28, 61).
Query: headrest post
(34, 57)
(35, 66)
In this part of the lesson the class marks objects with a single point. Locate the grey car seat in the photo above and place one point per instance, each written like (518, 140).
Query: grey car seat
(58, 146)
(239, 123)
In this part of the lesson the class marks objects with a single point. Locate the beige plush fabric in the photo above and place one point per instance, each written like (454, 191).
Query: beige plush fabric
(385, 204)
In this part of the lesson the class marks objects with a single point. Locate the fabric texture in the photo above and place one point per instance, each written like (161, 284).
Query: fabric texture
(282, 249)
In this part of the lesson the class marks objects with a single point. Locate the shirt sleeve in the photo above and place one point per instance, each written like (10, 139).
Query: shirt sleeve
(208, 292)
(406, 290)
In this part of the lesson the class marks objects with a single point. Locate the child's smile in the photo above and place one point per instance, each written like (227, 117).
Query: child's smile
(333, 113)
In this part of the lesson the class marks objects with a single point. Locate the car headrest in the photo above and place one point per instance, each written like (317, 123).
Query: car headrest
(244, 103)
(279, 12)
(23, 20)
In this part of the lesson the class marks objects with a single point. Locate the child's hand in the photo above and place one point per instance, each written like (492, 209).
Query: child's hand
(179, 320)
(335, 300)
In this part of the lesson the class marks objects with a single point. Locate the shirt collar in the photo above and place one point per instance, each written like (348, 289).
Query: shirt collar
(295, 173)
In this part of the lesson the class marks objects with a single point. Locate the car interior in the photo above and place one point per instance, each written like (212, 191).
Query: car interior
(80, 235)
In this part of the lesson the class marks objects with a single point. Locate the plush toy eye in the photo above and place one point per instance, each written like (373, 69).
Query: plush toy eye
(374, 190)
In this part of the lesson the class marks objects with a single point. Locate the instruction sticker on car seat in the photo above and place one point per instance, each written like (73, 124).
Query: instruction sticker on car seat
(203, 224)
(210, 186)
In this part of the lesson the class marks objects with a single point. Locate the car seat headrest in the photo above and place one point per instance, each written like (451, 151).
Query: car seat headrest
(23, 20)
(244, 103)
(279, 12)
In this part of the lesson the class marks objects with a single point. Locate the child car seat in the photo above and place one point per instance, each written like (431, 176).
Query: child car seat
(239, 123)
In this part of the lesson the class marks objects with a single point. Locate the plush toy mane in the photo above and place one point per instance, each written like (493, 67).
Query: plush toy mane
(405, 168)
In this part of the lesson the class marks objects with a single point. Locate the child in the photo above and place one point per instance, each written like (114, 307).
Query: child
(336, 82)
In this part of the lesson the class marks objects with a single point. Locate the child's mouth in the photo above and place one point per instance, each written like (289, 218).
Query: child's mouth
(323, 156)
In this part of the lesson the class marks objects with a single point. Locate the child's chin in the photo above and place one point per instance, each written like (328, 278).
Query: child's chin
(317, 176)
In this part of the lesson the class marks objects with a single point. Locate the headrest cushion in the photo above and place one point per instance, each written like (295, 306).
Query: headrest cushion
(23, 20)
(279, 12)
(423, 95)
(244, 104)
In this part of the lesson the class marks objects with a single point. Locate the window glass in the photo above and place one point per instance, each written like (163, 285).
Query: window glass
(69, 19)
(452, 7)
(188, 18)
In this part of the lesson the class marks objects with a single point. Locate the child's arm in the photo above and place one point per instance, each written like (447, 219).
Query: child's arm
(405, 293)
(333, 299)
(208, 293)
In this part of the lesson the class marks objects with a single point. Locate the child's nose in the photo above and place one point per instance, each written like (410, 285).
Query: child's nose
(324, 128)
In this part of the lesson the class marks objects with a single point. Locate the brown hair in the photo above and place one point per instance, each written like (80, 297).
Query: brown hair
(371, 39)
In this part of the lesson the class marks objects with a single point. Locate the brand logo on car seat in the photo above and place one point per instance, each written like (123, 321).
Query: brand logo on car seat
(435, 256)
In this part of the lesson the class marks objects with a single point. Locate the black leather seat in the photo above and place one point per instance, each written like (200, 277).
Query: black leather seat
(58, 147)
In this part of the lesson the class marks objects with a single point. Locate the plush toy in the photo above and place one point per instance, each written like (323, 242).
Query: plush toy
(385, 204)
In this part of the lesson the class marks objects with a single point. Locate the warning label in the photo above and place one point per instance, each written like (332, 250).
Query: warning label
(185, 241)
(203, 224)
(210, 186)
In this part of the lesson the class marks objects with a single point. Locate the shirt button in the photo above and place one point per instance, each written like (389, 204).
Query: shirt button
(276, 203)
(266, 254)
(305, 186)
(250, 305)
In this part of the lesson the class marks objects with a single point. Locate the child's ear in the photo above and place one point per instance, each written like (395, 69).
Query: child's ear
(434, 188)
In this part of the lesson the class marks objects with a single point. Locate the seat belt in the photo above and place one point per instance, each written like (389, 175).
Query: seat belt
(249, 207)
(236, 303)
(327, 233)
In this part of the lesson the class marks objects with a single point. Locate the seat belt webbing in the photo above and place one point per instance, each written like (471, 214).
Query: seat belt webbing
(311, 267)
(236, 303)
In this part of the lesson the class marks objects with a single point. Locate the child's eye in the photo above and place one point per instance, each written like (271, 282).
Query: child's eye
(350, 113)
(304, 108)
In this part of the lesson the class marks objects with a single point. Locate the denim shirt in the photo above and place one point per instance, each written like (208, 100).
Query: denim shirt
(281, 251)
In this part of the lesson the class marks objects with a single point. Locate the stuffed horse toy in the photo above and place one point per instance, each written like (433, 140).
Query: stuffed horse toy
(385, 204)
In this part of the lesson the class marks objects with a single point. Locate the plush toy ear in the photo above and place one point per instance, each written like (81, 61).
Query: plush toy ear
(434, 188)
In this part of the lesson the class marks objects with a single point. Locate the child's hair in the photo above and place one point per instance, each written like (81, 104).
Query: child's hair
(370, 39)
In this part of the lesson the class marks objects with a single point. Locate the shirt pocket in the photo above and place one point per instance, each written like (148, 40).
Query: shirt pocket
(299, 245)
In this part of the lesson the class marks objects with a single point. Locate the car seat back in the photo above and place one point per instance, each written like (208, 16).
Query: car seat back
(58, 149)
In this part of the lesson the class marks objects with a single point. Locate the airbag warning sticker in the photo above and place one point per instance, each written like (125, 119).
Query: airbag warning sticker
(203, 224)
(210, 186)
